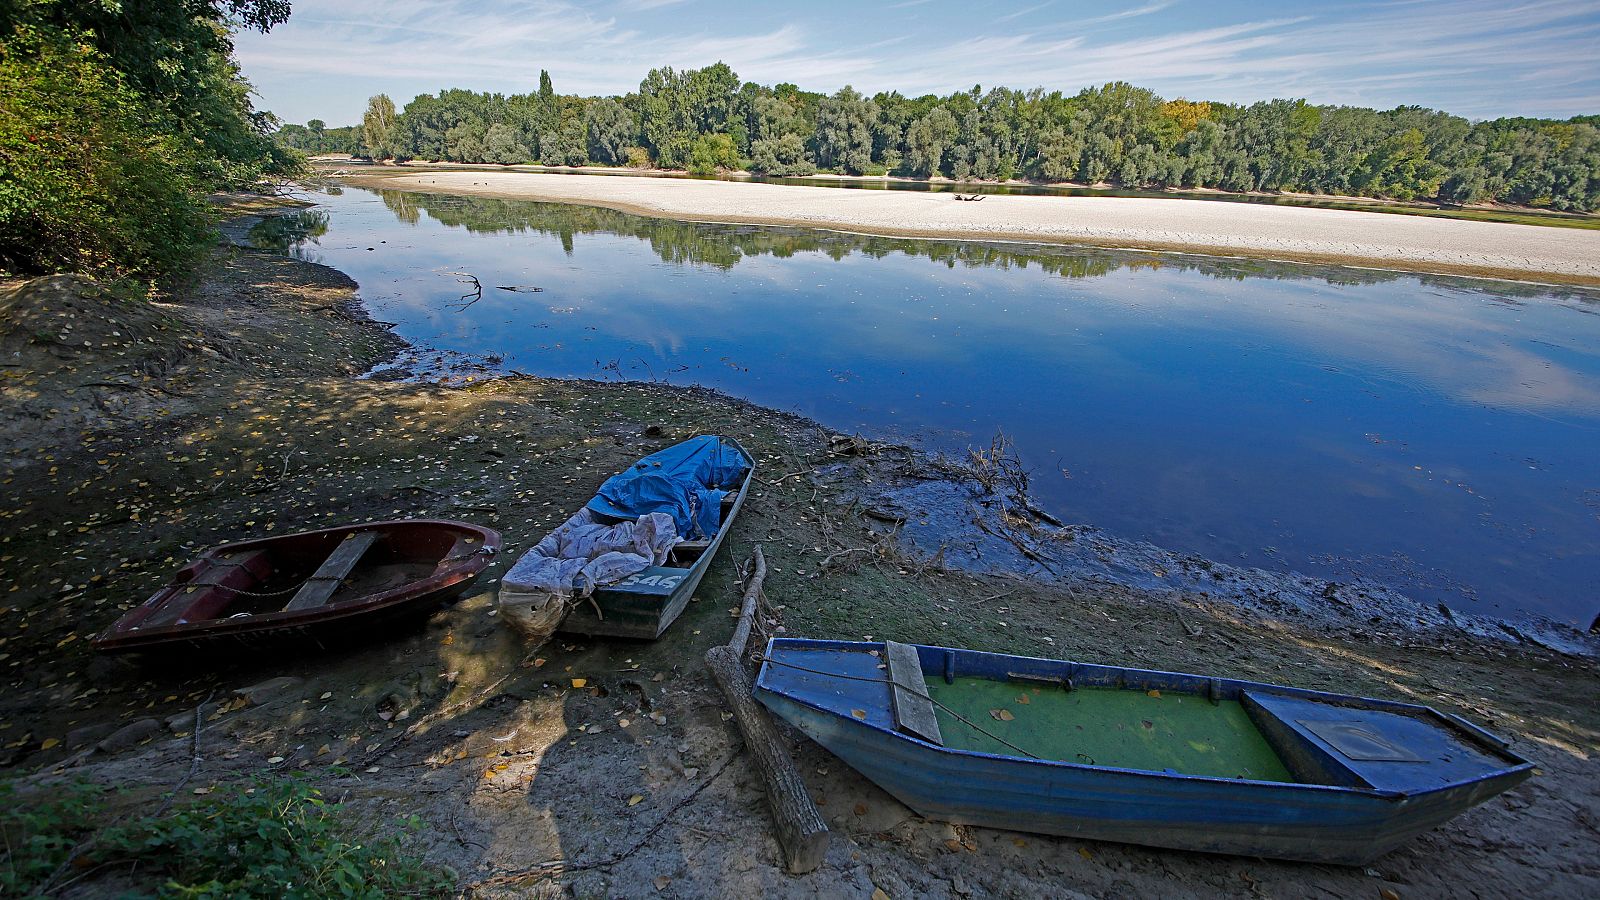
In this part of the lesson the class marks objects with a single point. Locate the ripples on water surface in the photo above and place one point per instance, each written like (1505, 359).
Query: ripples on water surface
(1436, 434)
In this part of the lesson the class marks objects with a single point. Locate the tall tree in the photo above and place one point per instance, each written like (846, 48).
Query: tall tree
(378, 127)
(844, 131)
(611, 130)
(928, 140)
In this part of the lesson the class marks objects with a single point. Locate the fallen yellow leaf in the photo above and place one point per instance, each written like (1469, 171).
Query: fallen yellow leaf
(635, 799)
(1084, 852)
(859, 713)
(878, 894)
(1155, 694)
(580, 682)
(49, 742)
(1003, 715)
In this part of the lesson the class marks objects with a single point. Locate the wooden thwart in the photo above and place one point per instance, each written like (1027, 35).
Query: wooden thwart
(913, 711)
(319, 588)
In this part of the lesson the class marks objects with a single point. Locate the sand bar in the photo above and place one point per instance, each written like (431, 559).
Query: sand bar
(1382, 240)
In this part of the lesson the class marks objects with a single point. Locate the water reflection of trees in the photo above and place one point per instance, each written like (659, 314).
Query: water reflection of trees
(724, 246)
(281, 232)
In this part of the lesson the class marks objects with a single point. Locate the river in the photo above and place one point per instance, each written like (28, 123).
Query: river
(1438, 435)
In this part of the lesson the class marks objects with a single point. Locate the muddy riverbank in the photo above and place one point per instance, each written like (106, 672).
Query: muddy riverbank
(137, 432)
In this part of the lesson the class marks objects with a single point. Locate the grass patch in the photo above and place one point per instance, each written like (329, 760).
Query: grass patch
(38, 831)
(272, 838)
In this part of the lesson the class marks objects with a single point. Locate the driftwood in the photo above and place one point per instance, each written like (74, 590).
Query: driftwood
(801, 831)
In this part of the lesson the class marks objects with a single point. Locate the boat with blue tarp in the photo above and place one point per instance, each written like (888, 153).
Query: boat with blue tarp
(701, 484)
(1111, 753)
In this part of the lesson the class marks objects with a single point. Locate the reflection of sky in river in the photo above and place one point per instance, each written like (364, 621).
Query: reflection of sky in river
(1433, 433)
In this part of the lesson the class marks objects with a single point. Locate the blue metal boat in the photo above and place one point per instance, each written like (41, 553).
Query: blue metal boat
(1160, 759)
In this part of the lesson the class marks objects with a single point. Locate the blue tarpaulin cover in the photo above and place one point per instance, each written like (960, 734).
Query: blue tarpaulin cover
(686, 481)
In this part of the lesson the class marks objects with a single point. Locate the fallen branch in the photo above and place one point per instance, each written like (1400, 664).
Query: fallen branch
(802, 833)
(828, 560)
(472, 296)
(1192, 631)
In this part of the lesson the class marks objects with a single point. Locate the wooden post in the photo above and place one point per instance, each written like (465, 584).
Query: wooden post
(802, 833)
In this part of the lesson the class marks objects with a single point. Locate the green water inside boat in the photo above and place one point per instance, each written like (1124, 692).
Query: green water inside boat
(1108, 727)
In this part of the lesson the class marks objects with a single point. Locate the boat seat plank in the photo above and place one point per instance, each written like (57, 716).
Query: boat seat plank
(913, 711)
(226, 572)
(319, 588)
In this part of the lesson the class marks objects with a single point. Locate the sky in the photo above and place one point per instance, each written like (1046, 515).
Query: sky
(1476, 58)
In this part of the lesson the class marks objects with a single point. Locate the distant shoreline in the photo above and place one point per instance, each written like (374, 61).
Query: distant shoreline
(1567, 256)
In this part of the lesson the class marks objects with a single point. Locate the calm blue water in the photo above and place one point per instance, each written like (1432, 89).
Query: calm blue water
(1436, 434)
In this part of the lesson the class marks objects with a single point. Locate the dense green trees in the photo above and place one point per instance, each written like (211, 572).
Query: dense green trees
(1116, 133)
(87, 182)
(611, 131)
(116, 119)
(844, 132)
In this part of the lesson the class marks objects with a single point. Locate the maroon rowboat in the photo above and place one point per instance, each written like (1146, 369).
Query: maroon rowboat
(307, 587)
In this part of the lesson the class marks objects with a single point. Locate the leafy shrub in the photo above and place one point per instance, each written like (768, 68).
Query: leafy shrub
(275, 839)
(712, 152)
(38, 831)
(88, 181)
(780, 156)
(638, 158)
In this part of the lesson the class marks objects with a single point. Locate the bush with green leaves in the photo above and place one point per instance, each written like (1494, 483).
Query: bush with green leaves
(39, 829)
(88, 180)
(274, 839)
(711, 153)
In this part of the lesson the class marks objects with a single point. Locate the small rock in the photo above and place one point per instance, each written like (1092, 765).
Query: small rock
(89, 734)
(129, 735)
(183, 722)
(257, 694)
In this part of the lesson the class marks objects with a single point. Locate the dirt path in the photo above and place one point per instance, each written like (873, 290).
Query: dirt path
(230, 410)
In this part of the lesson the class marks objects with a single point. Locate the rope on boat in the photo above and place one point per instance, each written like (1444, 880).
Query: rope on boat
(894, 684)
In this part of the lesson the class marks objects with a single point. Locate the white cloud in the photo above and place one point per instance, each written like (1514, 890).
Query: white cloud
(1478, 58)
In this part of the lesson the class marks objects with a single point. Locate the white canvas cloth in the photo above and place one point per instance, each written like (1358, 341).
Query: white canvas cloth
(575, 559)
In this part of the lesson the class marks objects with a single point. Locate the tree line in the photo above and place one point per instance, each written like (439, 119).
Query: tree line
(706, 120)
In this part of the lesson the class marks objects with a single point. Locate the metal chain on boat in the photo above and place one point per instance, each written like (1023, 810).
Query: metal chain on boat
(953, 714)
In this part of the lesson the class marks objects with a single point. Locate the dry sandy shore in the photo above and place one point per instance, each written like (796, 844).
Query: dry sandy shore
(1413, 243)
